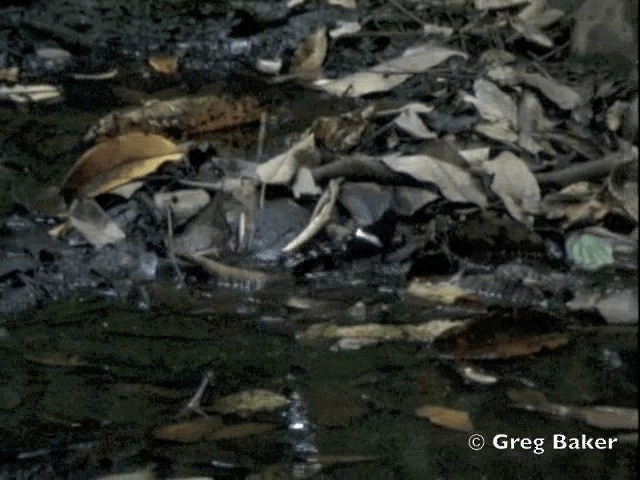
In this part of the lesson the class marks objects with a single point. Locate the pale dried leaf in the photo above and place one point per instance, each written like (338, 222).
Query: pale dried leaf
(409, 121)
(183, 204)
(492, 103)
(532, 33)
(305, 184)
(93, 223)
(310, 55)
(455, 184)
(344, 28)
(500, 131)
(563, 96)
(391, 73)
(281, 169)
(30, 93)
(250, 401)
(514, 183)
(442, 293)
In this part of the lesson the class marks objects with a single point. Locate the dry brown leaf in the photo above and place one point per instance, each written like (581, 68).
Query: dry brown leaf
(118, 161)
(165, 63)
(191, 116)
(446, 417)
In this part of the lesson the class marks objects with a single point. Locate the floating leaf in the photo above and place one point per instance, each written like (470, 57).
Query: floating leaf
(241, 430)
(446, 417)
(188, 432)
(511, 347)
(601, 416)
(118, 161)
(443, 293)
(250, 401)
(30, 93)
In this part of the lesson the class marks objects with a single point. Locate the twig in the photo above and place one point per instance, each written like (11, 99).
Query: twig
(261, 135)
(228, 272)
(586, 170)
(407, 12)
(195, 403)
(171, 251)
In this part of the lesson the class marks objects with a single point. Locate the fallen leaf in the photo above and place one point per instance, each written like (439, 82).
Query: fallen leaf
(446, 417)
(30, 93)
(510, 347)
(183, 204)
(191, 431)
(281, 169)
(492, 103)
(118, 161)
(166, 64)
(442, 293)
(516, 186)
(600, 416)
(310, 55)
(456, 184)
(190, 116)
(563, 96)
(57, 359)
(248, 402)
(588, 251)
(241, 430)
(389, 74)
(88, 218)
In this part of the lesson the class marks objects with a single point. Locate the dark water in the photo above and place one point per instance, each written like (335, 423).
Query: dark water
(120, 373)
